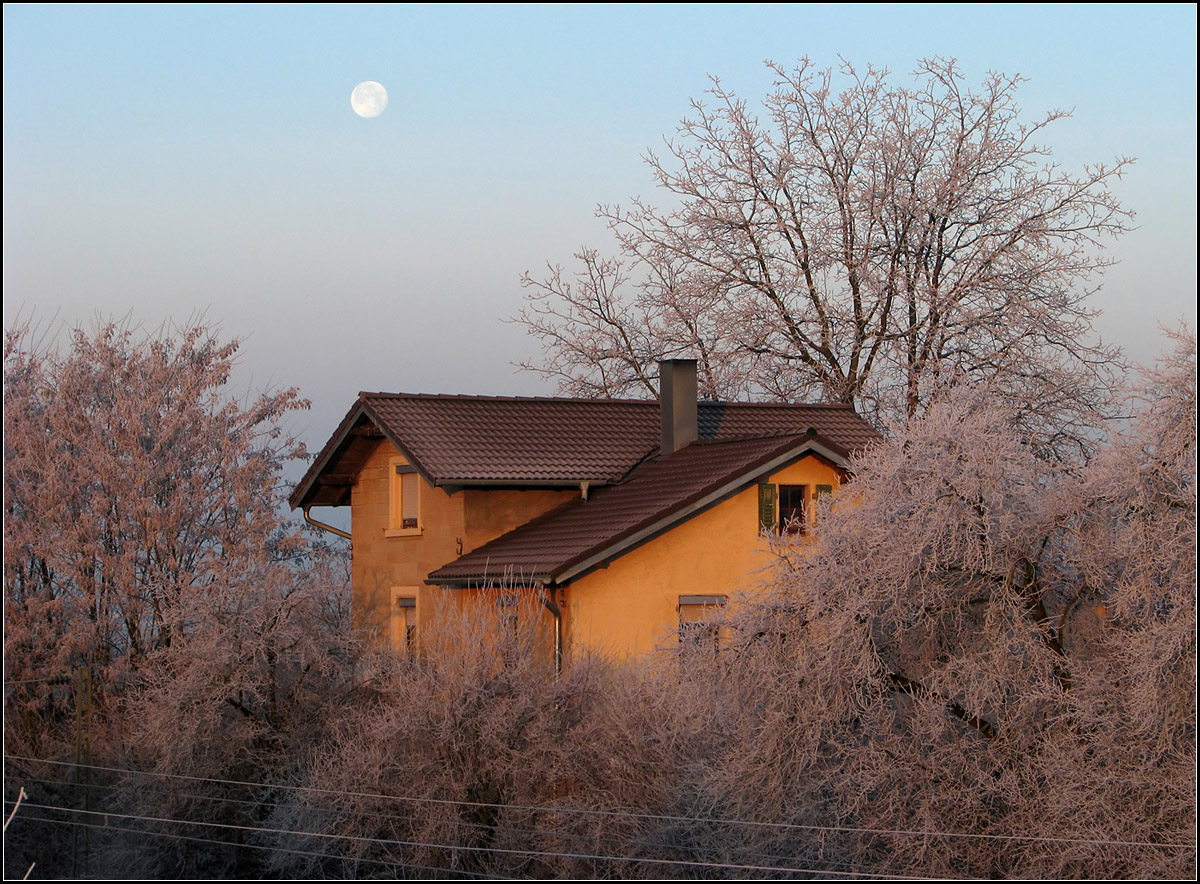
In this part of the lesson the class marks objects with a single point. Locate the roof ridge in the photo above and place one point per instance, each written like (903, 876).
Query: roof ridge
(751, 437)
(702, 403)
(502, 398)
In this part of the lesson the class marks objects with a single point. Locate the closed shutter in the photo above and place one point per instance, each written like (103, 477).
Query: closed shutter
(822, 491)
(767, 523)
(697, 620)
(404, 625)
(409, 500)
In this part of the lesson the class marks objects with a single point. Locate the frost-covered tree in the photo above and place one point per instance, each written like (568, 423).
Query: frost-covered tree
(476, 759)
(227, 713)
(144, 540)
(987, 666)
(135, 487)
(856, 241)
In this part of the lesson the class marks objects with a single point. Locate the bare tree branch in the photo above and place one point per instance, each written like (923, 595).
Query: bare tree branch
(870, 246)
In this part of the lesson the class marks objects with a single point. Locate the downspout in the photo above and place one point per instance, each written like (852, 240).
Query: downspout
(338, 531)
(556, 613)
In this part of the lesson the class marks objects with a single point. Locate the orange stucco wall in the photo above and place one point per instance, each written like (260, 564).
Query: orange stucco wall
(385, 559)
(490, 513)
(381, 562)
(630, 608)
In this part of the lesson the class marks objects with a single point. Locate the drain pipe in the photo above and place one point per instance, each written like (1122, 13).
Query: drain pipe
(338, 531)
(556, 613)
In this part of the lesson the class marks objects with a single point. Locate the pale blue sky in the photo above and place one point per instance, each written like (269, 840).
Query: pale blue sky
(165, 160)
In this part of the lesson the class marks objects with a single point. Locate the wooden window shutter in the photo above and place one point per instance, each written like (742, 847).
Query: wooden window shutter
(767, 522)
(821, 491)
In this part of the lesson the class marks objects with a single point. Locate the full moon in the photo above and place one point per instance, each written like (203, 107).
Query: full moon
(368, 99)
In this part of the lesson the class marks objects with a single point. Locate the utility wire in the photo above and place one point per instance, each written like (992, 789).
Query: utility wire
(744, 866)
(252, 846)
(388, 842)
(925, 833)
(509, 827)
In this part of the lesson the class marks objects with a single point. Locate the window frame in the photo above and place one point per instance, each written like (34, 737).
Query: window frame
(793, 526)
(401, 472)
(771, 508)
(698, 629)
(403, 620)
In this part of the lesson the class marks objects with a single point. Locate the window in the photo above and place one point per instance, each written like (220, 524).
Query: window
(405, 517)
(792, 510)
(404, 621)
(698, 625)
(789, 509)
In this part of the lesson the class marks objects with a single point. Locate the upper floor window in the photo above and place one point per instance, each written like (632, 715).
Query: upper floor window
(405, 499)
(510, 624)
(789, 509)
(792, 509)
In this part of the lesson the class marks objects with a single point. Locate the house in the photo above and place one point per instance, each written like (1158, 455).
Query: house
(623, 520)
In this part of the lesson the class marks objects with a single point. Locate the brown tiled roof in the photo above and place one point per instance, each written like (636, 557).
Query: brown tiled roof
(458, 439)
(484, 440)
(570, 539)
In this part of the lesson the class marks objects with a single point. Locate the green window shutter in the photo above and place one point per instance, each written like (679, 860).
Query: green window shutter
(767, 523)
(821, 491)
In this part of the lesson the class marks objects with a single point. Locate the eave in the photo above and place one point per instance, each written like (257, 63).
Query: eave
(330, 478)
(577, 563)
(728, 489)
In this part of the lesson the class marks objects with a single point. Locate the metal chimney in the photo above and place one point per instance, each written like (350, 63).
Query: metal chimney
(677, 398)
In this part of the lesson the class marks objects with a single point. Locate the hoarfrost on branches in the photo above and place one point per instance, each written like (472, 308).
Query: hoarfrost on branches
(144, 546)
(992, 649)
(869, 246)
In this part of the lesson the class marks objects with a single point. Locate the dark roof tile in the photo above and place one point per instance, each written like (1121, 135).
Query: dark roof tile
(657, 494)
(482, 440)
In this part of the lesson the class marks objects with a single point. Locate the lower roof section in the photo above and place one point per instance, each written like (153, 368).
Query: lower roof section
(580, 535)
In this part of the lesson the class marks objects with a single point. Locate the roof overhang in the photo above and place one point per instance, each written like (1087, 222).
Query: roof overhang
(810, 445)
(335, 471)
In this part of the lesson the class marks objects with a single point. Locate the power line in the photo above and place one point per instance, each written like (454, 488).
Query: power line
(241, 845)
(764, 865)
(506, 851)
(924, 833)
(509, 828)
